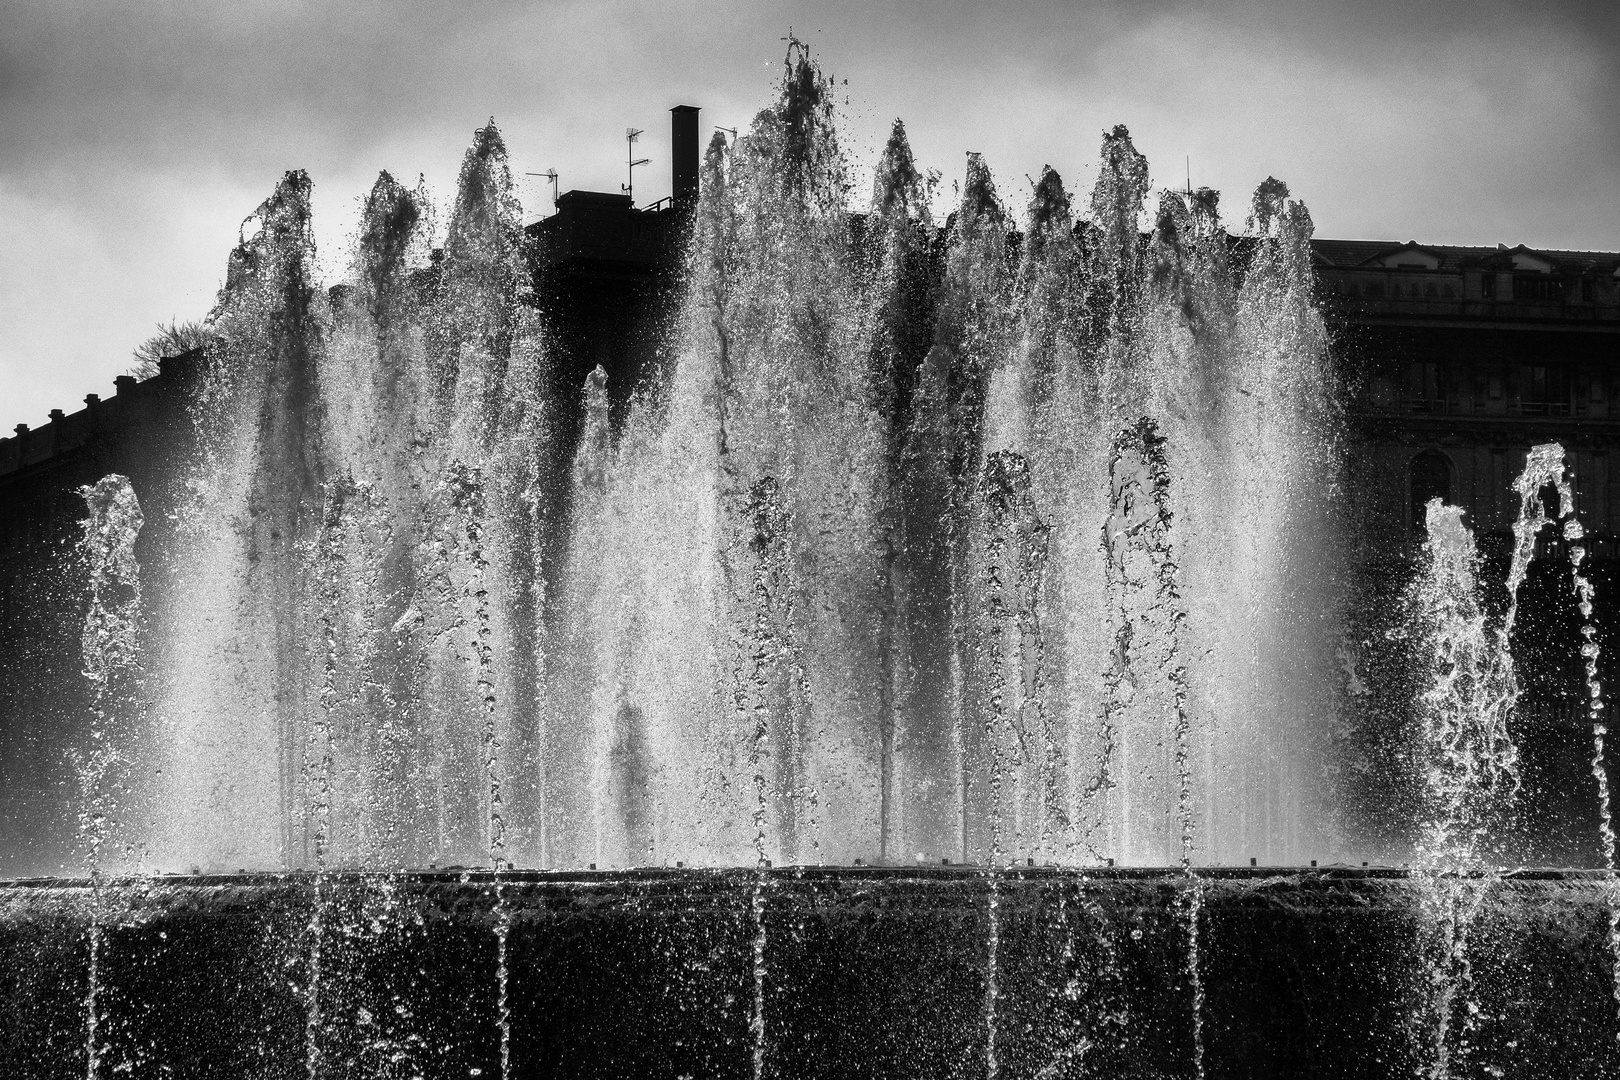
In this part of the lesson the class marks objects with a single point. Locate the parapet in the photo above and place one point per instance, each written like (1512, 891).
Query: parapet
(134, 401)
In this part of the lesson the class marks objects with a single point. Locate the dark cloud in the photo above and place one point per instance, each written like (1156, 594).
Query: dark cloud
(134, 136)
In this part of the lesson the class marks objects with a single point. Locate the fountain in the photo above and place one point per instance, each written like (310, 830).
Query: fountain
(928, 668)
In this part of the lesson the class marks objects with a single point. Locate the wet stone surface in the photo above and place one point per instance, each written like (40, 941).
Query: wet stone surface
(797, 973)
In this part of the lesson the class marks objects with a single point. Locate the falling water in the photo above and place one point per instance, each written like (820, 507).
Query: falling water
(420, 386)
(1550, 470)
(1574, 534)
(1470, 769)
(1145, 712)
(329, 567)
(1091, 994)
(465, 489)
(992, 971)
(1008, 658)
(110, 649)
(1471, 763)
(825, 586)
(1146, 709)
(825, 589)
(757, 944)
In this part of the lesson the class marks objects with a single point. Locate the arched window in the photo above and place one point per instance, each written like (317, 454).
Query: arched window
(1430, 479)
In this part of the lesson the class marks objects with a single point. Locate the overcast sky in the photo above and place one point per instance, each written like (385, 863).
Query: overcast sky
(135, 136)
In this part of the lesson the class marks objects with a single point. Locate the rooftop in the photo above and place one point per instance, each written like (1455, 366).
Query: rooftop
(1392, 254)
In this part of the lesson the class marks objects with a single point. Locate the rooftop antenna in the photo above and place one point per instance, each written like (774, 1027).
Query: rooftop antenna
(549, 174)
(630, 136)
(729, 131)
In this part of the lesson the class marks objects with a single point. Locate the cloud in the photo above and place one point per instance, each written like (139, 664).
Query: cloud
(134, 136)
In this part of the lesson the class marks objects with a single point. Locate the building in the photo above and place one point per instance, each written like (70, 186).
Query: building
(1459, 359)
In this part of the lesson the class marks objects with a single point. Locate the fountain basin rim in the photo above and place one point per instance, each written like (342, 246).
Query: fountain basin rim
(952, 873)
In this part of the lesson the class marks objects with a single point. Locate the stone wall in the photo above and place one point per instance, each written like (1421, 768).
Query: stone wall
(930, 972)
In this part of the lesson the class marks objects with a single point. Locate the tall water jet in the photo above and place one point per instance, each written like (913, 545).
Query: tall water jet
(1272, 597)
(110, 647)
(1020, 765)
(319, 757)
(416, 377)
(241, 612)
(948, 426)
(1545, 469)
(492, 369)
(1470, 762)
(752, 660)
(1116, 239)
(1145, 719)
(1469, 771)
(913, 621)
(383, 419)
(1574, 535)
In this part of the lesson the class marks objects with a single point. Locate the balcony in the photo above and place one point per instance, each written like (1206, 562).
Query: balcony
(1427, 406)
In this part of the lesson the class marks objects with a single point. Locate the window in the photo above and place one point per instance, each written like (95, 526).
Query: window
(1544, 390)
(1430, 479)
(1375, 290)
(1587, 289)
(1588, 388)
(1425, 388)
(1501, 490)
(1593, 499)
(1487, 286)
(1537, 287)
(1487, 388)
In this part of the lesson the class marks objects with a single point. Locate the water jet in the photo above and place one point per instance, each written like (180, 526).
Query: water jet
(946, 602)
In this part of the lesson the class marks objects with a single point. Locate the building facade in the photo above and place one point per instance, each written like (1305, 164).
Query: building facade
(1458, 359)
(1455, 362)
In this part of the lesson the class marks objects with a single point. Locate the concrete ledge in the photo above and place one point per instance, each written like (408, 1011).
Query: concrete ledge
(863, 972)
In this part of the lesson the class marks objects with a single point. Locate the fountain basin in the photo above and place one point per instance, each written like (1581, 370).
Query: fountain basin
(869, 971)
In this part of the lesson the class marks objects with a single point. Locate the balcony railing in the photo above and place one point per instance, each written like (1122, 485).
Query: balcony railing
(1470, 407)
(1428, 406)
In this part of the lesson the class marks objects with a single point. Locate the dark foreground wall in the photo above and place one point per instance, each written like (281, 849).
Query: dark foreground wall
(814, 973)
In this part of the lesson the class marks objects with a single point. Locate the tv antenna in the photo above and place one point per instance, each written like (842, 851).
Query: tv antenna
(549, 174)
(630, 137)
(729, 131)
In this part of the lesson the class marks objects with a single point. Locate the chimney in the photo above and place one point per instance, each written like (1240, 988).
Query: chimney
(684, 154)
